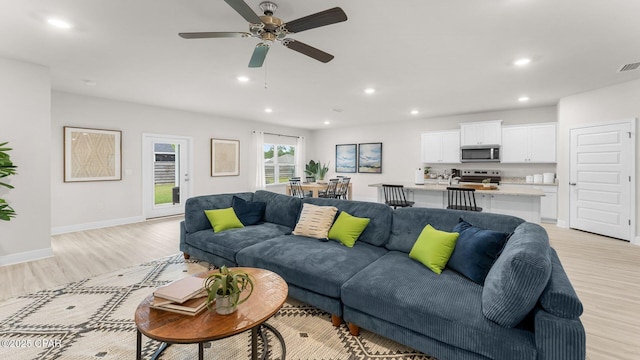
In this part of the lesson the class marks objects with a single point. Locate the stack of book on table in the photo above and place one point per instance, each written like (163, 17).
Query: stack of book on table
(185, 296)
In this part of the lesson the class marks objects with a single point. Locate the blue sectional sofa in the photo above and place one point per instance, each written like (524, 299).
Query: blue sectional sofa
(527, 308)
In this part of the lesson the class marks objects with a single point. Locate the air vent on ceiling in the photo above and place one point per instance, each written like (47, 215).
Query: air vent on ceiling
(629, 67)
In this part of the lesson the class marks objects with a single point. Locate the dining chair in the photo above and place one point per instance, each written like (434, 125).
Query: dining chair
(462, 199)
(394, 196)
(343, 188)
(330, 192)
(296, 188)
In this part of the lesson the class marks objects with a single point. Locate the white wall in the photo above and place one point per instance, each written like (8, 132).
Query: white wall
(91, 204)
(401, 142)
(25, 122)
(613, 103)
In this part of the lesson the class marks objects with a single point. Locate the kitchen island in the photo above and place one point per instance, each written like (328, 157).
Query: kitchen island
(520, 202)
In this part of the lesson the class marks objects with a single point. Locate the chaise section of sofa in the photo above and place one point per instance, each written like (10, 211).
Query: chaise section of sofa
(316, 270)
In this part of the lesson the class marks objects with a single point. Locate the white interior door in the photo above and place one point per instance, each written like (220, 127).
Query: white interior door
(602, 191)
(166, 169)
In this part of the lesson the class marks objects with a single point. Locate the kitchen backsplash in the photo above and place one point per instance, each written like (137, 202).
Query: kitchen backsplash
(507, 170)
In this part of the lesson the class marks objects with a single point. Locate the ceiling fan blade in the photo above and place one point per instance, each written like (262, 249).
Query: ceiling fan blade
(323, 18)
(244, 10)
(308, 50)
(207, 35)
(259, 54)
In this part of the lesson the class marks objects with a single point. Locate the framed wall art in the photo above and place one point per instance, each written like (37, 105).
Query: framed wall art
(225, 157)
(370, 158)
(346, 158)
(92, 154)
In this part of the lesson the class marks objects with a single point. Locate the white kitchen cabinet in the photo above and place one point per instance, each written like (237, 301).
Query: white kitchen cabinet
(529, 143)
(441, 147)
(514, 205)
(481, 133)
(548, 202)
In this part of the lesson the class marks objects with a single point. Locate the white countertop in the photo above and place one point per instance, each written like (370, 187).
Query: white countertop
(442, 187)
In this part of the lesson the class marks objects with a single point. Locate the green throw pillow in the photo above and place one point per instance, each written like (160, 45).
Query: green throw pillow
(223, 219)
(347, 228)
(434, 248)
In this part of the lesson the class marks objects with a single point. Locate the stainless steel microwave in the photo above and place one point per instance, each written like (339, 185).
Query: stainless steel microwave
(480, 153)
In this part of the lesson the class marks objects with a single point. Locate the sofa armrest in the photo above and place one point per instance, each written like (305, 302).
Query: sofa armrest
(559, 338)
(559, 298)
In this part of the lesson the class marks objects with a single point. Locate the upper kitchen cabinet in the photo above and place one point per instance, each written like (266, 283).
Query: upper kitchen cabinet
(441, 147)
(529, 143)
(481, 133)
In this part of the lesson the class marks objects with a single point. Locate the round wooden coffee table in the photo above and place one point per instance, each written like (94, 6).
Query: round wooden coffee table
(269, 294)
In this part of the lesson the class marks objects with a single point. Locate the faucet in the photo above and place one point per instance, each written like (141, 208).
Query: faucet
(451, 178)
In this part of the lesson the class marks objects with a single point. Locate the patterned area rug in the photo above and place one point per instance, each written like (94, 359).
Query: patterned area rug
(93, 319)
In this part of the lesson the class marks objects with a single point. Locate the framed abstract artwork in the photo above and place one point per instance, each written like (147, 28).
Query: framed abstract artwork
(346, 158)
(370, 158)
(225, 157)
(92, 154)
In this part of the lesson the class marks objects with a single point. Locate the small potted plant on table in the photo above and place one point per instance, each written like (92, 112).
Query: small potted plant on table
(224, 288)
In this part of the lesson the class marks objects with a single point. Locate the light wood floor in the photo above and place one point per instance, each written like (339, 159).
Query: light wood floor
(605, 273)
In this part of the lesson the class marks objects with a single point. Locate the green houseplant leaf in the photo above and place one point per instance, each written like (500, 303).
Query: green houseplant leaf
(230, 283)
(6, 169)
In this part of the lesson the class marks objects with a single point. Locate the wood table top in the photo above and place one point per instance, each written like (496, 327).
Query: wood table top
(269, 294)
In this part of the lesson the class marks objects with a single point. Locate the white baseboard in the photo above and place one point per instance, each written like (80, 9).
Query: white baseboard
(26, 256)
(636, 241)
(95, 225)
(562, 224)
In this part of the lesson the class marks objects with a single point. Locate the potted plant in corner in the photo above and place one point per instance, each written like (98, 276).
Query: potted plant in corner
(224, 288)
(6, 168)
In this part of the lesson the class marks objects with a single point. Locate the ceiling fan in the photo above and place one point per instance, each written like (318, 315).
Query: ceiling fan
(269, 28)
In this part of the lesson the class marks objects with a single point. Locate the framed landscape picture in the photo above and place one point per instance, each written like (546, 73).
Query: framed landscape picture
(92, 154)
(346, 158)
(370, 158)
(225, 157)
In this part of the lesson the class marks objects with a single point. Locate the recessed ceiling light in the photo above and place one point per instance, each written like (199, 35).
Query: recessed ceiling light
(523, 98)
(59, 23)
(242, 79)
(369, 91)
(522, 62)
(268, 110)
(327, 122)
(415, 112)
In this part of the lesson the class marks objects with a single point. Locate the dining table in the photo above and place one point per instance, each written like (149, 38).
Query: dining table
(316, 187)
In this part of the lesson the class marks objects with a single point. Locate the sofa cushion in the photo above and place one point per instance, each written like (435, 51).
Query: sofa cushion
(409, 222)
(445, 307)
(518, 277)
(476, 251)
(223, 219)
(315, 221)
(559, 298)
(281, 209)
(194, 217)
(249, 212)
(433, 248)
(322, 268)
(346, 229)
(226, 244)
(377, 232)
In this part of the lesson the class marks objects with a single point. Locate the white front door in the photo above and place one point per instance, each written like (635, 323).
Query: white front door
(166, 169)
(602, 194)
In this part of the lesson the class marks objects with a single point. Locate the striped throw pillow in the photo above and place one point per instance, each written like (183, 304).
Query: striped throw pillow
(315, 221)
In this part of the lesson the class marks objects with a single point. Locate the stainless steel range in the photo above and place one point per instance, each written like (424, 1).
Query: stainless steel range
(476, 176)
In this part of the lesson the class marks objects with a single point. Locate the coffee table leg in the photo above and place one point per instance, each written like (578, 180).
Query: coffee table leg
(200, 351)
(254, 343)
(159, 351)
(138, 345)
(280, 339)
